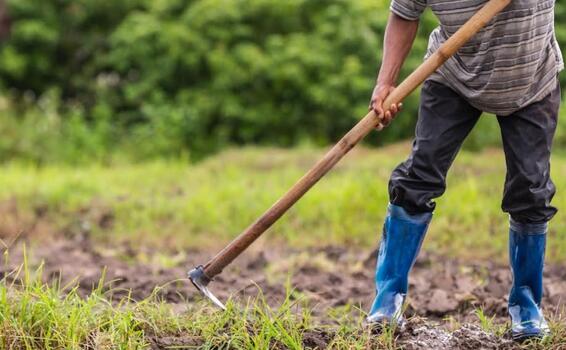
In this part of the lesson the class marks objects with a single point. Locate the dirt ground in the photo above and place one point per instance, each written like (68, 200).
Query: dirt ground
(443, 292)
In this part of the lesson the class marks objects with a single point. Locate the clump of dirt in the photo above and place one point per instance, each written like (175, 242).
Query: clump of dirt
(173, 342)
(420, 334)
(429, 335)
(326, 278)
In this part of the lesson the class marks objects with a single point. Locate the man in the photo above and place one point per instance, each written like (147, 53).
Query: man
(508, 69)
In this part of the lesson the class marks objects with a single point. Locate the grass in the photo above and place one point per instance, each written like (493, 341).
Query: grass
(489, 323)
(175, 205)
(178, 205)
(35, 315)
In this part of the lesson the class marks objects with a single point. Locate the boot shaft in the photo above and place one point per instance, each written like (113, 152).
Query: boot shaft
(527, 245)
(401, 241)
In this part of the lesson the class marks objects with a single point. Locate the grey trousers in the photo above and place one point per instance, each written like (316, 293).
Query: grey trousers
(445, 119)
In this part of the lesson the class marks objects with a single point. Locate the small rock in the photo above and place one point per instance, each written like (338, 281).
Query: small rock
(466, 284)
(443, 281)
(497, 289)
(557, 289)
(441, 303)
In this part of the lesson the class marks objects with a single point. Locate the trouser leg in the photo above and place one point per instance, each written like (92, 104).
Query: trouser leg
(527, 139)
(445, 119)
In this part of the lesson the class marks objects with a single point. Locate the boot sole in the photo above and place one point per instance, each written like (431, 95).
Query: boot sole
(523, 337)
(380, 327)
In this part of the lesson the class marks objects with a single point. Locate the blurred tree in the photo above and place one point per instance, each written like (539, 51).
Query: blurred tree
(166, 77)
(4, 21)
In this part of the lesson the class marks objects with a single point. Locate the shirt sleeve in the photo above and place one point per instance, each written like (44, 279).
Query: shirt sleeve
(408, 9)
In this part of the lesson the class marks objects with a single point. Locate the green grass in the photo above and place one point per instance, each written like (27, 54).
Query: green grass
(489, 323)
(35, 315)
(177, 205)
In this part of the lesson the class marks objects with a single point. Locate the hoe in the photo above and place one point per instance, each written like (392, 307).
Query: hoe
(202, 275)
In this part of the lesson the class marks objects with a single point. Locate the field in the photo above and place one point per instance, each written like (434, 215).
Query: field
(138, 138)
(95, 257)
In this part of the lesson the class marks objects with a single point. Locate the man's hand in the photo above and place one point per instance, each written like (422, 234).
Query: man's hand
(399, 36)
(380, 93)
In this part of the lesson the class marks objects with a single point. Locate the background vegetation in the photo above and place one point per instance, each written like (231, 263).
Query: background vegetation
(173, 207)
(164, 211)
(137, 79)
(130, 90)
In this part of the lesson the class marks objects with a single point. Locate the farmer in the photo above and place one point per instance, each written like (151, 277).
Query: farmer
(509, 69)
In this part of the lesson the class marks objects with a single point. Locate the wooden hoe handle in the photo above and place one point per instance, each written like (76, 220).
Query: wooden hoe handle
(357, 133)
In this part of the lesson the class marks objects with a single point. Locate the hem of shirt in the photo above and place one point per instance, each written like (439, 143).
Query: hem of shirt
(438, 77)
(536, 98)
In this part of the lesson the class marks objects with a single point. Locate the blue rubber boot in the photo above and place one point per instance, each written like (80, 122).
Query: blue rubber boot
(527, 243)
(401, 241)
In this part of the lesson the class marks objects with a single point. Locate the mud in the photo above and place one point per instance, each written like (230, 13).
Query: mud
(440, 289)
(430, 335)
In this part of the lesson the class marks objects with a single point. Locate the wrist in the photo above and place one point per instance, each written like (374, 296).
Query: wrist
(385, 81)
(387, 77)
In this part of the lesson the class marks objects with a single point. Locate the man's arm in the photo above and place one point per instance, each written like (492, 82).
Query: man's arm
(399, 37)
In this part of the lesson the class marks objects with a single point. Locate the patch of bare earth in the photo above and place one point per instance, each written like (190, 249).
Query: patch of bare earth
(327, 277)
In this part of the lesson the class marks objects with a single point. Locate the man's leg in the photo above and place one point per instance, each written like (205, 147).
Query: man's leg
(445, 119)
(527, 140)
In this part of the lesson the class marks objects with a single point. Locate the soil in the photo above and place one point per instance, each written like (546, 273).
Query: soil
(442, 291)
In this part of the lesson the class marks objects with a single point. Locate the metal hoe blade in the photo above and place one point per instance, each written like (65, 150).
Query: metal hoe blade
(201, 281)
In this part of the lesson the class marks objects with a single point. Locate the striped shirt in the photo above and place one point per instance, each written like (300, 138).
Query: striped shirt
(512, 62)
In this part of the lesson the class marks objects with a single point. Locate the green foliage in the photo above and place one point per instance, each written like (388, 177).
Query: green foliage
(35, 315)
(171, 77)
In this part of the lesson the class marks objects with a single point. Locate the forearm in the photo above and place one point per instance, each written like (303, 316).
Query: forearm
(399, 37)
